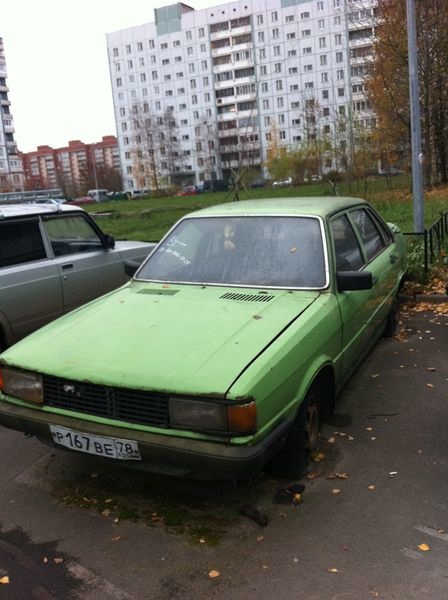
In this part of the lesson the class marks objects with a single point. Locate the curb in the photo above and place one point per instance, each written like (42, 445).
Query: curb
(431, 298)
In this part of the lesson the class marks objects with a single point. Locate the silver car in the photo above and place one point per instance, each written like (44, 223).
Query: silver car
(53, 258)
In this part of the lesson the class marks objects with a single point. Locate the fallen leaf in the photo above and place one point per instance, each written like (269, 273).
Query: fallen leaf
(332, 570)
(318, 456)
(432, 369)
(214, 573)
(45, 560)
(371, 487)
(202, 540)
(373, 439)
(58, 561)
(264, 567)
(4, 579)
(260, 538)
(297, 498)
(331, 440)
(342, 475)
(430, 385)
(424, 547)
(369, 428)
(106, 512)
(116, 538)
(375, 376)
(336, 491)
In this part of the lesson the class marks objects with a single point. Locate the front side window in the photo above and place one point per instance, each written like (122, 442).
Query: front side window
(346, 247)
(369, 233)
(71, 234)
(245, 251)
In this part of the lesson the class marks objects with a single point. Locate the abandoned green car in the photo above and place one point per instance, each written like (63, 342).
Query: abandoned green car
(226, 349)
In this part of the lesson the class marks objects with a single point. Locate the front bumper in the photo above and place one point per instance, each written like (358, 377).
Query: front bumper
(165, 454)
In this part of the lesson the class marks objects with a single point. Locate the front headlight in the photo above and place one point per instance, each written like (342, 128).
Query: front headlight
(21, 384)
(213, 416)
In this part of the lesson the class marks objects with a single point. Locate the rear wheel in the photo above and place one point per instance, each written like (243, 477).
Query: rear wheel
(393, 320)
(303, 439)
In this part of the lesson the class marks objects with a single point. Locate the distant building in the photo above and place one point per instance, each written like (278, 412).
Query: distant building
(198, 93)
(74, 168)
(11, 172)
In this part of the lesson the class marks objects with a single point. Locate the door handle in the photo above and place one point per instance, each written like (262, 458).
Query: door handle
(67, 266)
(393, 258)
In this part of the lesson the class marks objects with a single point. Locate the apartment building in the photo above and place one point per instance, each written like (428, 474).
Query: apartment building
(71, 168)
(11, 172)
(200, 94)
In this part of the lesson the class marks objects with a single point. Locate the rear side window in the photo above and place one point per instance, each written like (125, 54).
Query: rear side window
(20, 242)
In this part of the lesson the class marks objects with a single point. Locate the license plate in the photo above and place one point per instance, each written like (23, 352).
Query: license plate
(94, 444)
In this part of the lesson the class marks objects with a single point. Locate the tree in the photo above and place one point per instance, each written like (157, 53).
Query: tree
(388, 87)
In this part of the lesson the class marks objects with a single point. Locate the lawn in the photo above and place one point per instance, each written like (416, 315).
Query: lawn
(149, 219)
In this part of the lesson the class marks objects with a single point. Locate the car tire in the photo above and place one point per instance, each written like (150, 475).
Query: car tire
(393, 320)
(303, 439)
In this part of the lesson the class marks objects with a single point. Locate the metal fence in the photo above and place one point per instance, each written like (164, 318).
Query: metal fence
(434, 239)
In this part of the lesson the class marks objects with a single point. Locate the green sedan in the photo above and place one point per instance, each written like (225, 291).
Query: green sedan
(225, 350)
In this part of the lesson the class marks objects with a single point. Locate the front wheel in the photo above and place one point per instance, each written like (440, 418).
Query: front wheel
(303, 439)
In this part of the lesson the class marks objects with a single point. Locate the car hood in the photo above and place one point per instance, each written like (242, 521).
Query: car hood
(176, 338)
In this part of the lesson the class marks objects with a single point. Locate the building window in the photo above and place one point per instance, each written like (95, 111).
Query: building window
(261, 36)
(276, 50)
(275, 33)
(322, 42)
(259, 19)
(279, 85)
(274, 16)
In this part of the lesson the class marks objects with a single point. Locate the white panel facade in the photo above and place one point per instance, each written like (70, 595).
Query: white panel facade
(240, 76)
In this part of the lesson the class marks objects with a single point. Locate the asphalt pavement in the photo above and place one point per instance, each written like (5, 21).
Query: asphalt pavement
(369, 521)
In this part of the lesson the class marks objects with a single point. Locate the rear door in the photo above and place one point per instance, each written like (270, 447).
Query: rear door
(86, 268)
(30, 284)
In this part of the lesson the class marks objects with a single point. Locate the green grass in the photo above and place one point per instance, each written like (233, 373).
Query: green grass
(149, 219)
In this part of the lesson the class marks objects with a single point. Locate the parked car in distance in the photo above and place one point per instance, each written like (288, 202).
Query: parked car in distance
(119, 195)
(282, 182)
(213, 185)
(189, 190)
(53, 258)
(144, 193)
(99, 195)
(226, 349)
(83, 200)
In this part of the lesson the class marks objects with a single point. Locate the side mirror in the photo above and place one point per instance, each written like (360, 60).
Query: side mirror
(349, 281)
(108, 242)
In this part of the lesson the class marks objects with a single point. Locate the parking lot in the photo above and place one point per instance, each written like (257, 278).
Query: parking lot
(370, 520)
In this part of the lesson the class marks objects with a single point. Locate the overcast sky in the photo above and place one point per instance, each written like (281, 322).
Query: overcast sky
(58, 73)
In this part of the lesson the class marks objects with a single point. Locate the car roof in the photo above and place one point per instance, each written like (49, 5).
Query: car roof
(30, 209)
(320, 206)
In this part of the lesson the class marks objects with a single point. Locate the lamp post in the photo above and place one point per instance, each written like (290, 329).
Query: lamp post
(414, 101)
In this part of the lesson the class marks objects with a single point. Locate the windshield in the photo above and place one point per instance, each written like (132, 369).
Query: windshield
(246, 251)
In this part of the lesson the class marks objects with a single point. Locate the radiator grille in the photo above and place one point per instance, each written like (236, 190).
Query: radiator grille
(131, 406)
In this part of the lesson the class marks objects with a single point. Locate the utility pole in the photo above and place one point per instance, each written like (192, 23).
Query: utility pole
(416, 136)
